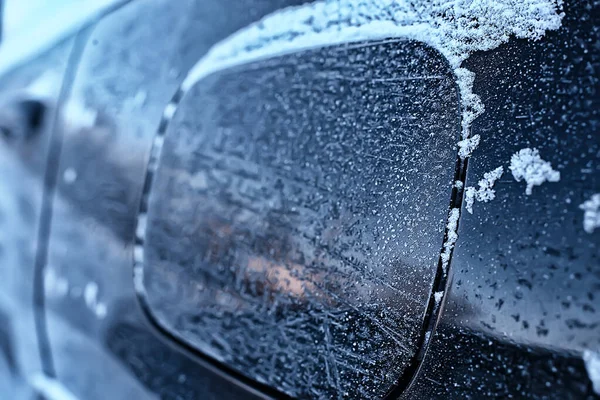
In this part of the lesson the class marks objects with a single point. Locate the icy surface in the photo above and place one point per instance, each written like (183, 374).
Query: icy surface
(592, 365)
(485, 192)
(466, 146)
(591, 213)
(527, 165)
(455, 28)
(315, 234)
(452, 236)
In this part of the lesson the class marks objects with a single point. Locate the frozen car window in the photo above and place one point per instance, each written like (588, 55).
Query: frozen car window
(296, 216)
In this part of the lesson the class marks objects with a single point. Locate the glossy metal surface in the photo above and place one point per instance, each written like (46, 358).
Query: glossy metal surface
(524, 296)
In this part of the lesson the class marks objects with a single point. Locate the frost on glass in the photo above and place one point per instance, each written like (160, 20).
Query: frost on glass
(297, 214)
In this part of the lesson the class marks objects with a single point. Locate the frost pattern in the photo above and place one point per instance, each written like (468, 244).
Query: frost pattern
(452, 236)
(592, 365)
(466, 146)
(456, 28)
(527, 165)
(591, 213)
(485, 192)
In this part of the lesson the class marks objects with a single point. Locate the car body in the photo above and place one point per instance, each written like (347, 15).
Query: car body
(292, 221)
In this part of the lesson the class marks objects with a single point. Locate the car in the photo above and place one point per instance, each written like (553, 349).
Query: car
(300, 199)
